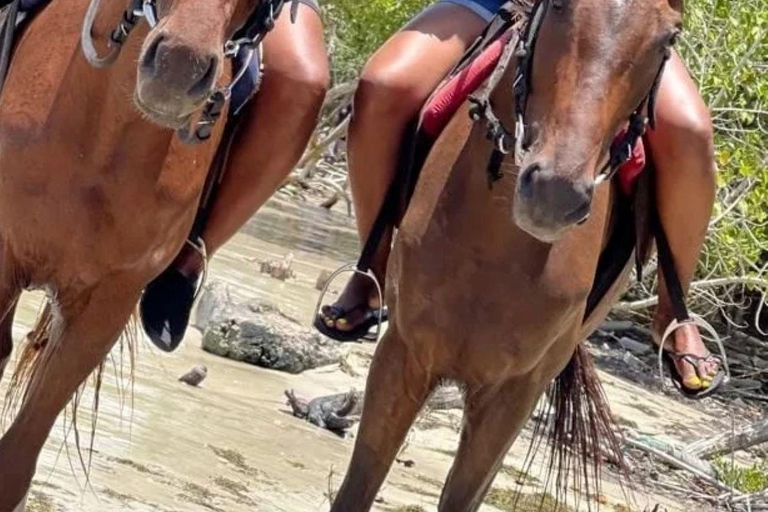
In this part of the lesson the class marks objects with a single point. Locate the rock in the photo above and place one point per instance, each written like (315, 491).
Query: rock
(264, 337)
(195, 376)
(279, 269)
(322, 279)
(215, 304)
(636, 347)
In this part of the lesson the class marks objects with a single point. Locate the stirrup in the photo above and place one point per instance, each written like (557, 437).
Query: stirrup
(351, 268)
(698, 321)
(200, 248)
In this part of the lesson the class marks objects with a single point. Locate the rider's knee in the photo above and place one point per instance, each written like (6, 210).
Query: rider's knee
(685, 142)
(303, 85)
(387, 95)
(697, 130)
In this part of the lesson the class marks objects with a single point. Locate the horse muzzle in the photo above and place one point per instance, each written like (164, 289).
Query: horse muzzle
(547, 205)
(174, 79)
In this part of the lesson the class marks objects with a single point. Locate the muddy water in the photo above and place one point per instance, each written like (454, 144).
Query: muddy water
(231, 445)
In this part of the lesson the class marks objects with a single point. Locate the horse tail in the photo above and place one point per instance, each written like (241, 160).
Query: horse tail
(30, 361)
(577, 424)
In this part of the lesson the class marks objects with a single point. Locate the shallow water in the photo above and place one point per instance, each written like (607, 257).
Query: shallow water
(231, 445)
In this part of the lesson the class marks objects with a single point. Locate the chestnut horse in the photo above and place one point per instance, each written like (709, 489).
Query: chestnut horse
(97, 193)
(488, 286)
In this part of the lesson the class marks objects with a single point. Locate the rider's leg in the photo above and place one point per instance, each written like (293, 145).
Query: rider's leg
(275, 130)
(683, 152)
(394, 85)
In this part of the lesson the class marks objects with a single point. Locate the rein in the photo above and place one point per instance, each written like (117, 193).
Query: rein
(246, 39)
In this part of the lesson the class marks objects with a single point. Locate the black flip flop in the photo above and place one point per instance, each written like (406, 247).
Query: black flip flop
(671, 357)
(360, 332)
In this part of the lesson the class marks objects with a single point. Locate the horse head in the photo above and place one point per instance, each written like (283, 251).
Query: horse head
(589, 65)
(182, 57)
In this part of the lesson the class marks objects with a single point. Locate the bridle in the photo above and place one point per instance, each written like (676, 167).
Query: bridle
(524, 46)
(246, 40)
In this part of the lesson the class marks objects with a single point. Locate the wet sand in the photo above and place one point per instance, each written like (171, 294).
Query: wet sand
(231, 444)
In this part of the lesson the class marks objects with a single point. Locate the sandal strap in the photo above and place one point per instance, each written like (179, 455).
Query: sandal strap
(337, 312)
(700, 323)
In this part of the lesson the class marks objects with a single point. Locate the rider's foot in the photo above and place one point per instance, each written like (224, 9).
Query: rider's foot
(352, 316)
(696, 366)
(166, 304)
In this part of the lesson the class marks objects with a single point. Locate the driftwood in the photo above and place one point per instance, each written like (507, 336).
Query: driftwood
(336, 413)
(340, 411)
(727, 442)
(672, 455)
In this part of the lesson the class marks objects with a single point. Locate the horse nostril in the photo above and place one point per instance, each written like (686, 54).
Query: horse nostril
(149, 62)
(205, 84)
(526, 180)
(581, 202)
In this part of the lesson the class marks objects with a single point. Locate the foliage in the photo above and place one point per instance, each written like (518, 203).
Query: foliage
(356, 28)
(725, 46)
(751, 479)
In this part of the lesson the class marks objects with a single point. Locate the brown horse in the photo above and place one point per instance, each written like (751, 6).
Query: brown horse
(96, 195)
(488, 286)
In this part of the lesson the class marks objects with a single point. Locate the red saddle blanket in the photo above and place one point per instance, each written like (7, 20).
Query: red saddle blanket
(454, 92)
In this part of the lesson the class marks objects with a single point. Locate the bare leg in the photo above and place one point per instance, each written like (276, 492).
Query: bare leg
(396, 389)
(683, 150)
(279, 125)
(81, 337)
(492, 421)
(394, 85)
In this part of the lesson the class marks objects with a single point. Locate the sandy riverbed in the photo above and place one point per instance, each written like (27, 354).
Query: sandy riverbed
(231, 444)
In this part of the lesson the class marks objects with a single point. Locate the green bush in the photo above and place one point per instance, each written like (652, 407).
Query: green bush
(356, 28)
(726, 47)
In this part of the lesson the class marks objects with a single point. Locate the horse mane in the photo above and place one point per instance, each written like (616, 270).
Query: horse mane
(30, 360)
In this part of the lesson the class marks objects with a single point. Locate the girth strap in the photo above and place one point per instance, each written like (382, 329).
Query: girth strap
(669, 270)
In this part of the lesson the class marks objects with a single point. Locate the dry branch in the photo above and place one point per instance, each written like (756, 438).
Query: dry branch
(727, 442)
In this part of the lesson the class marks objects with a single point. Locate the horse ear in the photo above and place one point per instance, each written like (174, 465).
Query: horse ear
(677, 5)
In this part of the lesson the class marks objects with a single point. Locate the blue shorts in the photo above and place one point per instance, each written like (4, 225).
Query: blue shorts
(486, 9)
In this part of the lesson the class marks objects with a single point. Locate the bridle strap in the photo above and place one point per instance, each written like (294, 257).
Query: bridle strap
(645, 113)
(130, 19)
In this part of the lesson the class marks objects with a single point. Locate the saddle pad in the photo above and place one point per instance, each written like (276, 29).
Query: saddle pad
(248, 85)
(452, 93)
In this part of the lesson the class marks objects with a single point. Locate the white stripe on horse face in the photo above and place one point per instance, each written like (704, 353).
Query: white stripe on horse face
(21, 506)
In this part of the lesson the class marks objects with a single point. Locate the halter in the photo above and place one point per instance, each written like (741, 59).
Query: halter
(524, 47)
(247, 39)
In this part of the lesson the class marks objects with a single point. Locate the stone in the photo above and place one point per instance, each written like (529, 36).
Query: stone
(265, 337)
(279, 269)
(195, 376)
